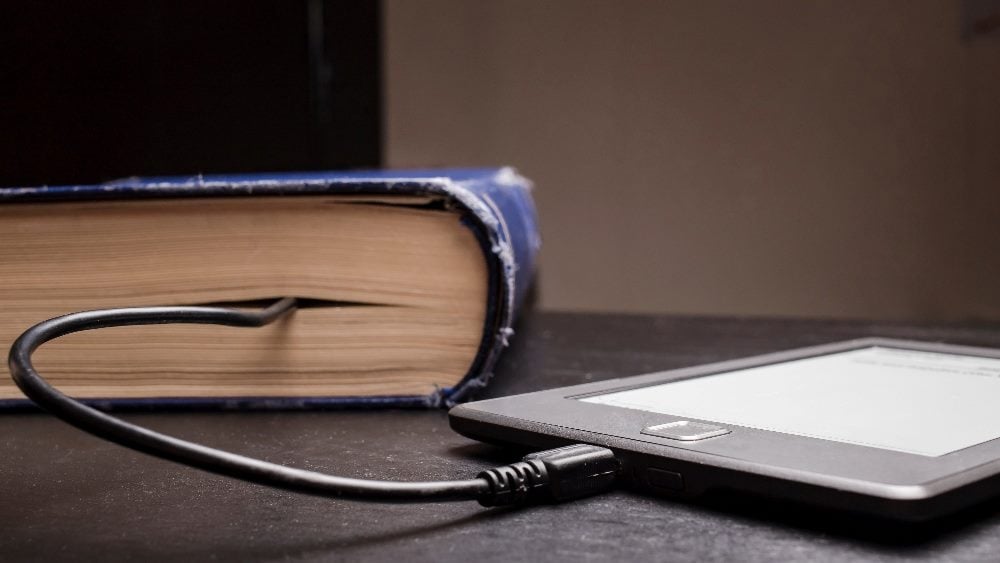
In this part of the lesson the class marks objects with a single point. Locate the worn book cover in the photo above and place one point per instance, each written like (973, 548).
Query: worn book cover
(495, 205)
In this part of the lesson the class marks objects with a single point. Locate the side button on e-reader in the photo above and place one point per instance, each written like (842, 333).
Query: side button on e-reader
(663, 479)
(685, 430)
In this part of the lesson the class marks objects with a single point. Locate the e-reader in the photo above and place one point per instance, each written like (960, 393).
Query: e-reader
(892, 428)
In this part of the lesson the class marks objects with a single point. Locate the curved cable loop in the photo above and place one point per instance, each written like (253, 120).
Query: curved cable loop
(110, 428)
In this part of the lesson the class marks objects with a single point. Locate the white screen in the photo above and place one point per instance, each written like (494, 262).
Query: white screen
(924, 403)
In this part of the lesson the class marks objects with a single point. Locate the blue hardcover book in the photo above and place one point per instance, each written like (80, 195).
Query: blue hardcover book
(410, 282)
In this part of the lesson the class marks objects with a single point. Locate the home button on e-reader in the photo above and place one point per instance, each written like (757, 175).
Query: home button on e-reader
(685, 430)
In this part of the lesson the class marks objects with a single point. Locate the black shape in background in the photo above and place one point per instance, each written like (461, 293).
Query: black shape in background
(94, 91)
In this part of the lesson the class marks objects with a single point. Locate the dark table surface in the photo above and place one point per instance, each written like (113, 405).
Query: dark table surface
(66, 495)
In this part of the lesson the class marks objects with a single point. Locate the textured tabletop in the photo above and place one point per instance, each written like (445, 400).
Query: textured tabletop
(65, 495)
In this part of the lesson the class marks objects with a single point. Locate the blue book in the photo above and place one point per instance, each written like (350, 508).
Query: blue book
(410, 283)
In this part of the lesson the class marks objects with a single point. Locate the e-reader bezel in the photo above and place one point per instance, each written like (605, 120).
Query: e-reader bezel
(784, 466)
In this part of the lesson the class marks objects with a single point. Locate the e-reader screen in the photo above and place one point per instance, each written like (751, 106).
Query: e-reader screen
(917, 402)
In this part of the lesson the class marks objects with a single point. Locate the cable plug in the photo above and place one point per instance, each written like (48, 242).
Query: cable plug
(554, 475)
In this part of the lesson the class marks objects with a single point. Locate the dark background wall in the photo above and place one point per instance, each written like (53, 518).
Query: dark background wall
(91, 91)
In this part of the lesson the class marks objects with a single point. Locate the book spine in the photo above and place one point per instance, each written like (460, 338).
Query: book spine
(503, 205)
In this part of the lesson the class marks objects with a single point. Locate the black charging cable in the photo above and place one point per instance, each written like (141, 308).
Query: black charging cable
(559, 474)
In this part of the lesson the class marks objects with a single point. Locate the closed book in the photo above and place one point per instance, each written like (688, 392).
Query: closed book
(408, 283)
